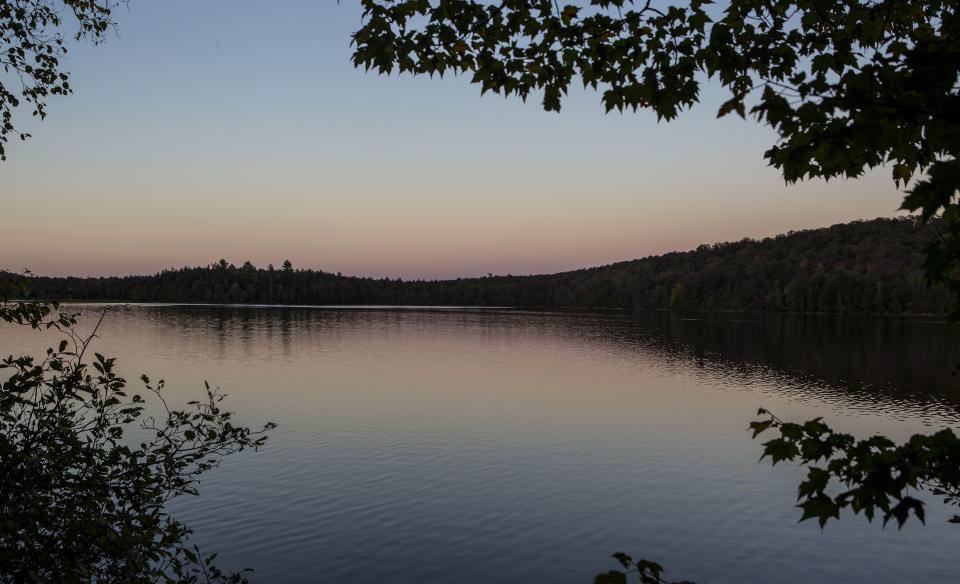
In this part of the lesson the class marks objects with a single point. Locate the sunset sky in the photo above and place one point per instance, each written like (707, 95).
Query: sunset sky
(241, 130)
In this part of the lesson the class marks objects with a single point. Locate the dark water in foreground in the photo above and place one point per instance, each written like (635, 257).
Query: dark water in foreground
(499, 446)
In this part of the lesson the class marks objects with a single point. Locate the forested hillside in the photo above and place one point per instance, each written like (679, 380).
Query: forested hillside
(860, 267)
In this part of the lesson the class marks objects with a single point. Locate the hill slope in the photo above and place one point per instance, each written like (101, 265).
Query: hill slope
(861, 267)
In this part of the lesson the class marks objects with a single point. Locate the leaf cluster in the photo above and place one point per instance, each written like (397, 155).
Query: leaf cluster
(872, 476)
(85, 474)
(643, 571)
(643, 58)
(32, 45)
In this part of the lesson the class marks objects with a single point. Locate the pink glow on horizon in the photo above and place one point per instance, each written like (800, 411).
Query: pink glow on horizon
(157, 161)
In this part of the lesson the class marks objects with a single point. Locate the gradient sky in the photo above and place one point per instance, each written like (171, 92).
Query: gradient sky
(240, 130)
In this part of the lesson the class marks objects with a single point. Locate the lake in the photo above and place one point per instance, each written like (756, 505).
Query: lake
(459, 445)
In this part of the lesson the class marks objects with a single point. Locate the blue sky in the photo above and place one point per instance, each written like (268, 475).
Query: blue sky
(241, 130)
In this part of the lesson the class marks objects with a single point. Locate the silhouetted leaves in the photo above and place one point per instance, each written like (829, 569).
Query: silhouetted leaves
(874, 477)
(32, 44)
(642, 571)
(876, 474)
(85, 473)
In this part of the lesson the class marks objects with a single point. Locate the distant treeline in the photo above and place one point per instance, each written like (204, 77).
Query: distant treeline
(860, 267)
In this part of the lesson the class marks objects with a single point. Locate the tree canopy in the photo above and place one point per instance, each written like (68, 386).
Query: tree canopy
(32, 44)
(847, 85)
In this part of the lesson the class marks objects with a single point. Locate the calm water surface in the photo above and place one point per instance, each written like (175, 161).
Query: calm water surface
(504, 446)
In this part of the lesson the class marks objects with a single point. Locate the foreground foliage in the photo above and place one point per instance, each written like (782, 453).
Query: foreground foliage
(85, 473)
(33, 43)
(876, 476)
(642, 571)
(873, 477)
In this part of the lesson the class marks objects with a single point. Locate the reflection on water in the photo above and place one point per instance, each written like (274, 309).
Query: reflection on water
(478, 446)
